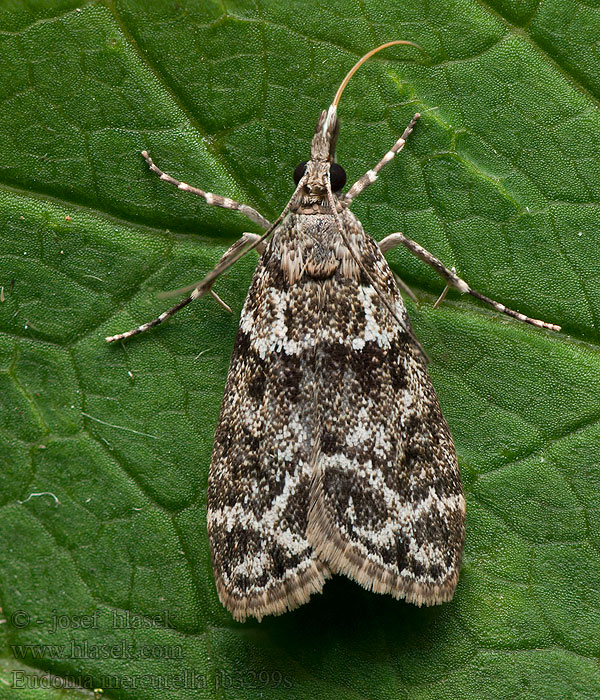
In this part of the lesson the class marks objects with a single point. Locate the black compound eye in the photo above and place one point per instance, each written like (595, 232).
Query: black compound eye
(337, 177)
(299, 172)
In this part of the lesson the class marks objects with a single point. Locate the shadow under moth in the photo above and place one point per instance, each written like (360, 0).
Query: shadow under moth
(331, 454)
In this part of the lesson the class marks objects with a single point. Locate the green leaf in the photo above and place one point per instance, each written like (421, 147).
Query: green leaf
(105, 450)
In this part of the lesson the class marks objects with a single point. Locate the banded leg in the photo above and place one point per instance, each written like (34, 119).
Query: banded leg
(371, 175)
(210, 198)
(231, 256)
(453, 280)
(202, 288)
(247, 237)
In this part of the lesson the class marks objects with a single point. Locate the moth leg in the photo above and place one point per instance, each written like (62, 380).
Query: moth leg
(442, 296)
(204, 287)
(453, 280)
(245, 238)
(210, 198)
(253, 238)
(220, 301)
(404, 288)
(371, 175)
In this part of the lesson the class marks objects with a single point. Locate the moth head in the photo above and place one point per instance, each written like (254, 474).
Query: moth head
(315, 172)
(321, 168)
(314, 175)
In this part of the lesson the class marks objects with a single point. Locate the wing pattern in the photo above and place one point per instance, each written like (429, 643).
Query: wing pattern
(331, 454)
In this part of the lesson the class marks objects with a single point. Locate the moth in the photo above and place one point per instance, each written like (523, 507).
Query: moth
(331, 454)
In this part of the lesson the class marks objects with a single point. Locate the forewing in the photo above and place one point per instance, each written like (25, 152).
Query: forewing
(260, 475)
(331, 452)
(387, 507)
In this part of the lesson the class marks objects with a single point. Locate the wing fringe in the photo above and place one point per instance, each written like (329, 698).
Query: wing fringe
(344, 557)
(278, 598)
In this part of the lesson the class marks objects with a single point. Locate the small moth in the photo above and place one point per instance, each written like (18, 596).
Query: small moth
(331, 455)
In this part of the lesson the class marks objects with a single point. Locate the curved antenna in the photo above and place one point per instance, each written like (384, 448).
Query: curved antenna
(359, 63)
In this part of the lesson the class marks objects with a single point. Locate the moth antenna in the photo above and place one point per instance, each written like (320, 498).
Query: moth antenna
(359, 63)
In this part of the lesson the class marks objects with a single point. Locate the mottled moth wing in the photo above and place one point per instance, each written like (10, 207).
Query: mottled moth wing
(331, 453)
(261, 468)
(387, 506)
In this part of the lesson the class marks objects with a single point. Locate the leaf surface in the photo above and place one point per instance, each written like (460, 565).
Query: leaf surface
(105, 575)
